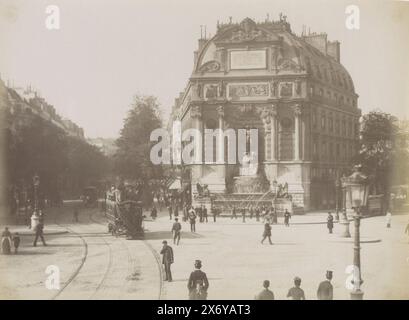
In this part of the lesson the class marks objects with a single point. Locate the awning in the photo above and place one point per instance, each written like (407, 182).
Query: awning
(175, 185)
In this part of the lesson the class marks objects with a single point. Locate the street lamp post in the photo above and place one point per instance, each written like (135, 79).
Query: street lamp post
(344, 219)
(337, 187)
(35, 217)
(357, 189)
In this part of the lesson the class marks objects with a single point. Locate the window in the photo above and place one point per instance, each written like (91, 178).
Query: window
(323, 121)
(331, 124)
(323, 148)
(338, 151)
(344, 127)
(315, 150)
(331, 150)
(314, 119)
(337, 126)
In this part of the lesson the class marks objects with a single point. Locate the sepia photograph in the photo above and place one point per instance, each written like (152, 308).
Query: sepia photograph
(224, 150)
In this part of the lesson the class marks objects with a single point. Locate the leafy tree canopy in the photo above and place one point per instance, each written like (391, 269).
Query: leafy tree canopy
(132, 159)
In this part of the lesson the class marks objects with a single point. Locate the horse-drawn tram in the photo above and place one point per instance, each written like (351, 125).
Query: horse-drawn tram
(125, 216)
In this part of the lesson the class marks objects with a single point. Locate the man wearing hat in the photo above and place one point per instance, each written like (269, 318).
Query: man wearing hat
(167, 259)
(267, 233)
(176, 231)
(265, 294)
(192, 220)
(325, 289)
(198, 283)
(296, 293)
(330, 222)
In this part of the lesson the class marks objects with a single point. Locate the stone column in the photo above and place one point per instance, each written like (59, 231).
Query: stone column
(297, 114)
(273, 135)
(220, 153)
(266, 122)
(196, 113)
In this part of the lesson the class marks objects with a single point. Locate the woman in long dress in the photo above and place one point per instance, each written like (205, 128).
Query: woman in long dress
(6, 241)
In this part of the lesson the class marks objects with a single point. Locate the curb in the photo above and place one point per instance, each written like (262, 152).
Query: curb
(46, 233)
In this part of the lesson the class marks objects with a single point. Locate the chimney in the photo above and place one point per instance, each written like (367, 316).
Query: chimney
(318, 41)
(201, 44)
(333, 50)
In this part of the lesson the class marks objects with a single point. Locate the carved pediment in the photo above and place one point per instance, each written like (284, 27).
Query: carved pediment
(288, 65)
(210, 66)
(246, 31)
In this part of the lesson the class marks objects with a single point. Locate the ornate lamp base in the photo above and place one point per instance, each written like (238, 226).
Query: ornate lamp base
(345, 229)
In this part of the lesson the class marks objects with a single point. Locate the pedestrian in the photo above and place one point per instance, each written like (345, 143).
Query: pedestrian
(296, 293)
(75, 215)
(192, 220)
(198, 283)
(176, 229)
(233, 213)
(388, 219)
(330, 222)
(185, 213)
(6, 241)
(170, 212)
(243, 214)
(39, 230)
(200, 213)
(205, 214)
(167, 260)
(257, 214)
(275, 216)
(265, 294)
(214, 213)
(251, 212)
(287, 217)
(325, 289)
(267, 233)
(176, 210)
(154, 213)
(16, 242)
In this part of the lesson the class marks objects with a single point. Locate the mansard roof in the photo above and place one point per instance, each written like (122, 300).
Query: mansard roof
(309, 54)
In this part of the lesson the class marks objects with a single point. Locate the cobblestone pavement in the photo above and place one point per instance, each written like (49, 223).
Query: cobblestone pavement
(95, 265)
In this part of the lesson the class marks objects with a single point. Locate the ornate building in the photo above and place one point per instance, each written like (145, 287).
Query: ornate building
(293, 89)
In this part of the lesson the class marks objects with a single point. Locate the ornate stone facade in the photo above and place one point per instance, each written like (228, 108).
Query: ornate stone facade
(301, 99)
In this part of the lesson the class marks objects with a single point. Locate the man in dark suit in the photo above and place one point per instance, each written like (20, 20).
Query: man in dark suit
(167, 260)
(204, 213)
(325, 289)
(287, 217)
(267, 233)
(176, 228)
(39, 234)
(192, 220)
(330, 222)
(198, 283)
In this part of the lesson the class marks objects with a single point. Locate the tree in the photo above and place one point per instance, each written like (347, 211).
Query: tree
(132, 159)
(86, 164)
(383, 151)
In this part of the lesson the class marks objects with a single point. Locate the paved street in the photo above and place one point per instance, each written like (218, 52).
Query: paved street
(95, 265)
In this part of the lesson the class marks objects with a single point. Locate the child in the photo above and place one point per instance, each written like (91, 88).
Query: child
(16, 242)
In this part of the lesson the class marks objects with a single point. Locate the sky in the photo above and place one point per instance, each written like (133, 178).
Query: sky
(106, 51)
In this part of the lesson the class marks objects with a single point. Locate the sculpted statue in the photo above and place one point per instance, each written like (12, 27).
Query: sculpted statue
(274, 88)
